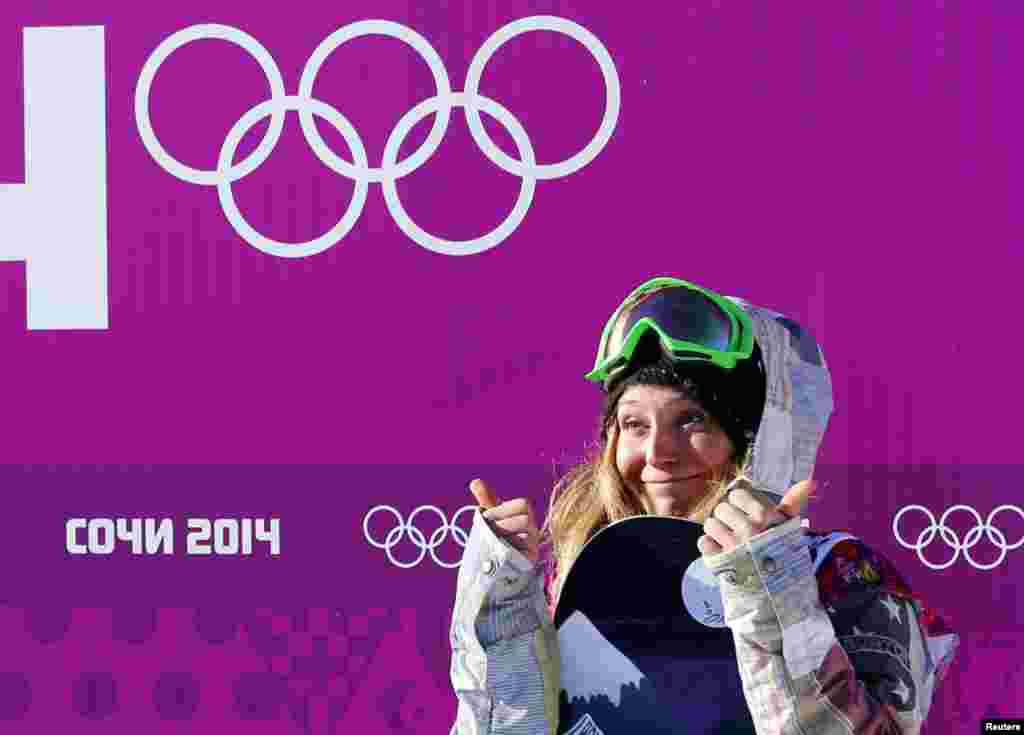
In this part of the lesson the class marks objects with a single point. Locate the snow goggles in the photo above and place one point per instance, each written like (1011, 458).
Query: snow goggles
(692, 325)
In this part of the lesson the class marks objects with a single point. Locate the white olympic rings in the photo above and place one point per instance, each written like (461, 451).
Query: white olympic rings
(391, 169)
(951, 538)
(394, 536)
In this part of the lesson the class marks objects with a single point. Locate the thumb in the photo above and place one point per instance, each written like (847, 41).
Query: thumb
(795, 500)
(485, 496)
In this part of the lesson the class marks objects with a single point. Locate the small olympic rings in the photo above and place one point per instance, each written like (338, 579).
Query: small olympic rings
(951, 538)
(437, 537)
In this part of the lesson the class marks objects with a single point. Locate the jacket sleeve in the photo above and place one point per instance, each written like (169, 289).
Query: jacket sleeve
(848, 650)
(504, 666)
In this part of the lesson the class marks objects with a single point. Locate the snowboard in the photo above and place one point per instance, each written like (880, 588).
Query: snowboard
(643, 644)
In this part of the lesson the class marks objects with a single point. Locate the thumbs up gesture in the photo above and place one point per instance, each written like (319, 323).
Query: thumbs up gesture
(745, 513)
(512, 520)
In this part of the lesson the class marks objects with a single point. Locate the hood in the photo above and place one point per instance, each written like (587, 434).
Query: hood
(798, 400)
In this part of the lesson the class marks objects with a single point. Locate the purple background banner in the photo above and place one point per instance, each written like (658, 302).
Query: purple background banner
(856, 166)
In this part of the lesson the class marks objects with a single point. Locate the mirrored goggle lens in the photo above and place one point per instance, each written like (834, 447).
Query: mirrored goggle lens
(682, 314)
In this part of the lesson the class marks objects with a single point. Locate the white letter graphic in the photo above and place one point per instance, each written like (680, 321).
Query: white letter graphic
(57, 220)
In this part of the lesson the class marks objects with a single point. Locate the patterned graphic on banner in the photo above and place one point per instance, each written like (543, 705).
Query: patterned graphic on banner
(304, 670)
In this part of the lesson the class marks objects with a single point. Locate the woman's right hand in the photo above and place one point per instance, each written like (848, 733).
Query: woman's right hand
(511, 520)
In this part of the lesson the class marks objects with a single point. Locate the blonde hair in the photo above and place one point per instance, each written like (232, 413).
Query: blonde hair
(593, 494)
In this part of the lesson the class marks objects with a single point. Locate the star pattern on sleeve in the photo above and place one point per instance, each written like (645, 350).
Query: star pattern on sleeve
(893, 607)
(902, 691)
(866, 598)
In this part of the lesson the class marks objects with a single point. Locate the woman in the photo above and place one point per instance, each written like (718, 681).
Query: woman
(702, 390)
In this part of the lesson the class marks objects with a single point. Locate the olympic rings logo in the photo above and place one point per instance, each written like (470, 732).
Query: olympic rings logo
(395, 535)
(953, 540)
(391, 169)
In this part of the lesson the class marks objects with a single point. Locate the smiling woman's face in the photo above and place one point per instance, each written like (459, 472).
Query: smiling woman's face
(667, 446)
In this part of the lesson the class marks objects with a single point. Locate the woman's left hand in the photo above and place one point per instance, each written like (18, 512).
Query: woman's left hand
(744, 514)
